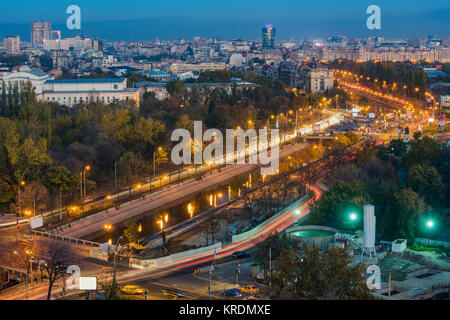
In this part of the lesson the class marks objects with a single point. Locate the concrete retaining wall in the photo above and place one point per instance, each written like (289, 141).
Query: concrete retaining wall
(155, 263)
(242, 236)
(98, 254)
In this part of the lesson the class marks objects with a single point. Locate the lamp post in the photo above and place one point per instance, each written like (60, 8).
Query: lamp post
(22, 183)
(154, 161)
(114, 262)
(83, 184)
(87, 168)
(211, 269)
(26, 272)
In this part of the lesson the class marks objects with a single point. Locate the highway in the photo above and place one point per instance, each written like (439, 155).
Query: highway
(289, 216)
(292, 214)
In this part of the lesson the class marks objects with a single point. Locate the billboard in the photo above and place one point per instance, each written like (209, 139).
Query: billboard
(37, 222)
(88, 283)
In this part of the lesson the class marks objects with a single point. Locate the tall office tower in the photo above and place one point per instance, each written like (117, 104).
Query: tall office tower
(268, 37)
(40, 31)
(12, 44)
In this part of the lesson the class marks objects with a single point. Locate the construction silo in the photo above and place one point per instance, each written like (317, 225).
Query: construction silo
(369, 231)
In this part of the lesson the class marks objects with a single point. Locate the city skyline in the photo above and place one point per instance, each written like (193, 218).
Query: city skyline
(143, 21)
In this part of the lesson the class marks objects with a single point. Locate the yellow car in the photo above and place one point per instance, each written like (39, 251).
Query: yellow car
(249, 289)
(129, 289)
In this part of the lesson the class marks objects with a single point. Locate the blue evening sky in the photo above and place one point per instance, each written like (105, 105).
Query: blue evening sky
(137, 20)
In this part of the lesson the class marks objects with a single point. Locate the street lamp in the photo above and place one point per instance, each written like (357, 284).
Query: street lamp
(83, 183)
(430, 223)
(190, 209)
(114, 259)
(154, 160)
(87, 168)
(22, 183)
(26, 272)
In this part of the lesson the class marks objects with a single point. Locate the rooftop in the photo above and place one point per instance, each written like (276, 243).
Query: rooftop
(157, 73)
(88, 80)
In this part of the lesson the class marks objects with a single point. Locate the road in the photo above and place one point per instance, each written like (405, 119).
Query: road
(289, 216)
(160, 199)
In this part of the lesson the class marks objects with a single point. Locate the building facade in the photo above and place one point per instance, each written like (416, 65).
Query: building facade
(268, 37)
(36, 78)
(177, 68)
(318, 80)
(384, 54)
(12, 44)
(71, 92)
(40, 31)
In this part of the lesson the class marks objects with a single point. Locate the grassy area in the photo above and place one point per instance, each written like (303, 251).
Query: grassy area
(433, 128)
(418, 247)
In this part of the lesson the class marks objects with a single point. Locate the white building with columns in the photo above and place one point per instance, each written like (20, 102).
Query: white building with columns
(37, 79)
(73, 91)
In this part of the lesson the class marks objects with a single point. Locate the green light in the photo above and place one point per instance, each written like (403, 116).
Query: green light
(430, 224)
(353, 216)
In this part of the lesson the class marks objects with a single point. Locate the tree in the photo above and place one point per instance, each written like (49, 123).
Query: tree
(402, 215)
(46, 62)
(131, 231)
(185, 123)
(314, 275)
(209, 230)
(60, 179)
(333, 208)
(423, 151)
(6, 190)
(176, 89)
(215, 76)
(56, 260)
(427, 182)
(29, 158)
(273, 244)
(397, 147)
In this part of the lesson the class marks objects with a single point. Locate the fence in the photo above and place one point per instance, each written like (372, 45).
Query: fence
(63, 238)
(432, 243)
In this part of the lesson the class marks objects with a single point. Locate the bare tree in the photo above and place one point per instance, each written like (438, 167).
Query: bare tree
(56, 260)
(210, 230)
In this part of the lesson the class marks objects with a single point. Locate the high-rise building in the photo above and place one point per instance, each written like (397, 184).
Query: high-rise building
(40, 31)
(268, 37)
(12, 44)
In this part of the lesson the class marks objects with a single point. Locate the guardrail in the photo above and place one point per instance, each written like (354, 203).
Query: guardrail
(64, 238)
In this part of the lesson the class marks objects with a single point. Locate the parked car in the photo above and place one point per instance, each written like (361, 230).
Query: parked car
(240, 255)
(235, 292)
(251, 289)
(130, 289)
